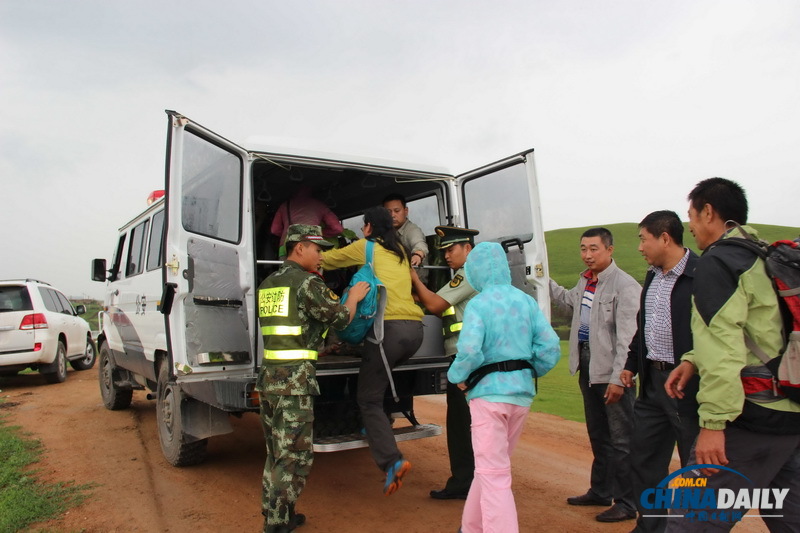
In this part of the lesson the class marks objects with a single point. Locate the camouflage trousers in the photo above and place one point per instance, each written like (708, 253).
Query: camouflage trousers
(288, 424)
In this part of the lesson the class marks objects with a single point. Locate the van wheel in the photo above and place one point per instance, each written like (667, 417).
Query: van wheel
(59, 367)
(175, 444)
(114, 396)
(89, 356)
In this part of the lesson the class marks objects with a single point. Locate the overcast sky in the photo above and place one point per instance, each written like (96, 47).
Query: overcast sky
(627, 103)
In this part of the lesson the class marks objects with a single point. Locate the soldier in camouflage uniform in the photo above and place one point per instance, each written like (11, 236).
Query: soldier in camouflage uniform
(295, 308)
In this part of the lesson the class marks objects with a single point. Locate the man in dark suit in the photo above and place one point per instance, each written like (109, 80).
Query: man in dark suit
(664, 334)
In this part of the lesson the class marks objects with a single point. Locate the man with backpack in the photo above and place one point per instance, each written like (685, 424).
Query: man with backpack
(449, 303)
(295, 308)
(746, 423)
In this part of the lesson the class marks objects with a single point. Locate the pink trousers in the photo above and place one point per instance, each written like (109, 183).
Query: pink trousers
(496, 428)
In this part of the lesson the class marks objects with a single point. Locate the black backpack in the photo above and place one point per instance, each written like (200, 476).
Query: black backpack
(782, 260)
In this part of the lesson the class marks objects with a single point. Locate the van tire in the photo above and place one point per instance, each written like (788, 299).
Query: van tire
(114, 397)
(178, 451)
(59, 372)
(89, 357)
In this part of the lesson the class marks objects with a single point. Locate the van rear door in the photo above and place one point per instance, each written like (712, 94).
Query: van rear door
(206, 255)
(502, 201)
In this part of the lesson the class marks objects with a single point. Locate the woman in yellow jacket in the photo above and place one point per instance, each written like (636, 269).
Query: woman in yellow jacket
(402, 335)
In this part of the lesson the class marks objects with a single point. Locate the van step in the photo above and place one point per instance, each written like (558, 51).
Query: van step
(352, 441)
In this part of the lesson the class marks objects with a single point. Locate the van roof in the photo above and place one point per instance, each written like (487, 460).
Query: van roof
(337, 152)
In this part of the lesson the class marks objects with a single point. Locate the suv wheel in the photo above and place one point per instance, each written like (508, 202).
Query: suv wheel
(114, 397)
(89, 356)
(59, 373)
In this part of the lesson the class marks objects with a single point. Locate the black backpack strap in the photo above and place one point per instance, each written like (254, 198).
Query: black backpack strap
(503, 366)
(749, 244)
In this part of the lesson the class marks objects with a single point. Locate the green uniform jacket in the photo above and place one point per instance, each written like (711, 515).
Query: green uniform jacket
(457, 293)
(733, 296)
(307, 303)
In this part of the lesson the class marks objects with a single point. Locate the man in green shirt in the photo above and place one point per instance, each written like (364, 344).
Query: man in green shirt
(449, 303)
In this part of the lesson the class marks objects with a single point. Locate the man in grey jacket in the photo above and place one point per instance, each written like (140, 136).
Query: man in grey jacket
(603, 306)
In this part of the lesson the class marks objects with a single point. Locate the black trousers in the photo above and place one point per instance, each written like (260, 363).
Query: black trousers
(768, 461)
(402, 338)
(459, 441)
(657, 428)
(609, 428)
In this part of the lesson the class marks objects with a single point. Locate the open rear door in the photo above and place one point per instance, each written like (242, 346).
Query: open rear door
(501, 200)
(205, 276)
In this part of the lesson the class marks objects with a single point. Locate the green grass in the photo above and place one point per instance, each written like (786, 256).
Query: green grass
(24, 499)
(558, 392)
(92, 308)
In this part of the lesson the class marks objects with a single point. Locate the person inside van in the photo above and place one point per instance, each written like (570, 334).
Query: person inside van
(410, 234)
(303, 208)
(402, 335)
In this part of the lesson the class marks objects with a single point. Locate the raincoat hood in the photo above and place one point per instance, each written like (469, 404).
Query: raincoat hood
(486, 266)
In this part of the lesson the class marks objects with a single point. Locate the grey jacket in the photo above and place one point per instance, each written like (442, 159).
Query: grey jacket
(612, 323)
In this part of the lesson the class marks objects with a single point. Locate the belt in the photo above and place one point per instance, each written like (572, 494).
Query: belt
(661, 365)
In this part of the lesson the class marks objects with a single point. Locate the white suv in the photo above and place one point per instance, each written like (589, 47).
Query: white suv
(40, 329)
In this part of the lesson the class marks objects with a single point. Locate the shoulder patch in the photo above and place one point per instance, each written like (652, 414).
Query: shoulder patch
(456, 281)
(332, 295)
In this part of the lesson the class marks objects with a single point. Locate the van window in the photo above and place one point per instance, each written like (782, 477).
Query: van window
(498, 205)
(424, 212)
(154, 251)
(354, 224)
(114, 273)
(212, 186)
(135, 264)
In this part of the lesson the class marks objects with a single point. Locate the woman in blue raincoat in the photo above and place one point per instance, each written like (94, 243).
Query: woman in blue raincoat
(505, 332)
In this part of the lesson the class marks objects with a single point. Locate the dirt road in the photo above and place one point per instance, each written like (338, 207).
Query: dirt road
(137, 490)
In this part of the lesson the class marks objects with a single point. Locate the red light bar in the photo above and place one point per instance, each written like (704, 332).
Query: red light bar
(155, 195)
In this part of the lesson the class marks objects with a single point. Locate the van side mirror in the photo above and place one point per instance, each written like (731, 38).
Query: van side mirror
(80, 310)
(99, 270)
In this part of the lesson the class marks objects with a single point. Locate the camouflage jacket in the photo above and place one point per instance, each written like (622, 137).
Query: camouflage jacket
(318, 309)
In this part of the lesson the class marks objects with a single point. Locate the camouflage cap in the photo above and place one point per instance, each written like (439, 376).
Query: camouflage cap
(450, 235)
(305, 232)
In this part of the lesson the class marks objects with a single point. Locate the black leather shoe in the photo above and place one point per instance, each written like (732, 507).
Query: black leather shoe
(445, 494)
(616, 513)
(588, 499)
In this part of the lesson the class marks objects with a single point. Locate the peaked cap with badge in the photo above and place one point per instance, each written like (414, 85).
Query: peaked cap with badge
(450, 235)
(306, 232)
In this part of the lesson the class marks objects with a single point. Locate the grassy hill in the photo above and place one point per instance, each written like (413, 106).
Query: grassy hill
(565, 260)
(563, 252)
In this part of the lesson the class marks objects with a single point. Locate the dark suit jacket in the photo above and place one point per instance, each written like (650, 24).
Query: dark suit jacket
(681, 312)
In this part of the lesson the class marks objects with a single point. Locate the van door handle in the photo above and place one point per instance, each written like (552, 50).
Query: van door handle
(173, 265)
(508, 243)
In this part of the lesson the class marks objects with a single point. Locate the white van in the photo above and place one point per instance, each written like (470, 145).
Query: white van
(180, 314)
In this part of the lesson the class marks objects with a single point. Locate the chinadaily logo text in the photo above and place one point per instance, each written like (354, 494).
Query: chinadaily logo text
(685, 494)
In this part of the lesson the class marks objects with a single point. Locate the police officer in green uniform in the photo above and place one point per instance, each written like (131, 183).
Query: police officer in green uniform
(295, 308)
(449, 302)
